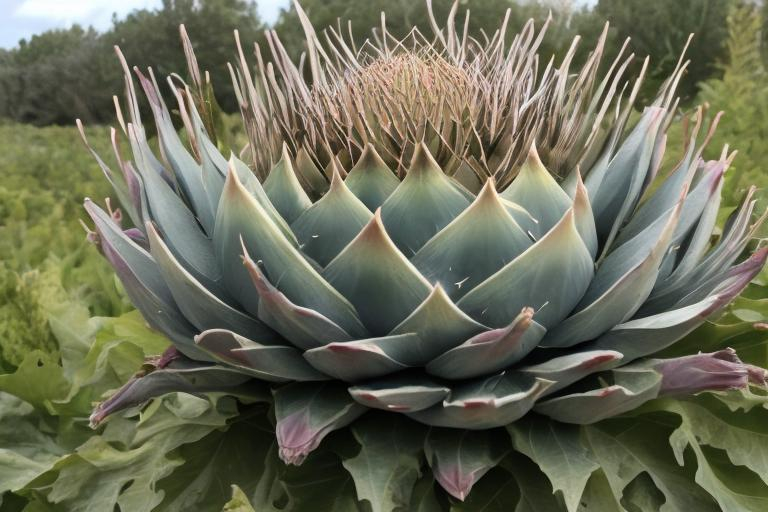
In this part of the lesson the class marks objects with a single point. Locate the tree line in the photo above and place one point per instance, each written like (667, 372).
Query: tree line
(60, 75)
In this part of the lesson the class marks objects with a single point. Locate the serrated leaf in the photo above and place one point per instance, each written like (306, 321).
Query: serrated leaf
(558, 451)
(224, 456)
(100, 476)
(625, 448)
(320, 483)
(536, 495)
(388, 464)
(25, 451)
(598, 496)
(496, 492)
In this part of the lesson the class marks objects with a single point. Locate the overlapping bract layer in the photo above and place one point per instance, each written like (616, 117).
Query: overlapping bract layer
(367, 286)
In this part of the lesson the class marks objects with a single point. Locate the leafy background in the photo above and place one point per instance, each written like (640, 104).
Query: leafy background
(68, 335)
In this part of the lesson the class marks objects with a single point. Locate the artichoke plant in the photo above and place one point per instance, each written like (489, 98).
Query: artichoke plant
(444, 228)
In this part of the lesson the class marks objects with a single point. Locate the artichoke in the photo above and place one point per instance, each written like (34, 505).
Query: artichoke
(440, 228)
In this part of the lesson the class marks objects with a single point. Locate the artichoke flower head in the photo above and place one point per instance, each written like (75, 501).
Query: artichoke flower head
(444, 228)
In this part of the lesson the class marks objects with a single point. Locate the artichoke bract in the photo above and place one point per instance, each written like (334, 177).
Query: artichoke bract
(438, 227)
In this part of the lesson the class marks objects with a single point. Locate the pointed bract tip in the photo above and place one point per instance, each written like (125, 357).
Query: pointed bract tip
(374, 231)
(423, 161)
(454, 481)
(337, 182)
(369, 159)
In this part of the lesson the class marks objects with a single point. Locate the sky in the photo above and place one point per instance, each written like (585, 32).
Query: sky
(22, 18)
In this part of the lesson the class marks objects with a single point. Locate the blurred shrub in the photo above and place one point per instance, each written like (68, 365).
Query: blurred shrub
(742, 93)
(44, 258)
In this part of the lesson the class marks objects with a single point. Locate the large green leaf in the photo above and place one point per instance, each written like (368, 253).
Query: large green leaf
(100, 476)
(496, 492)
(25, 451)
(625, 448)
(559, 452)
(389, 461)
(38, 380)
(707, 421)
(222, 458)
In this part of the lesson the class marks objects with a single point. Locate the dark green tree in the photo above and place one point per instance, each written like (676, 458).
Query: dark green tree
(660, 28)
